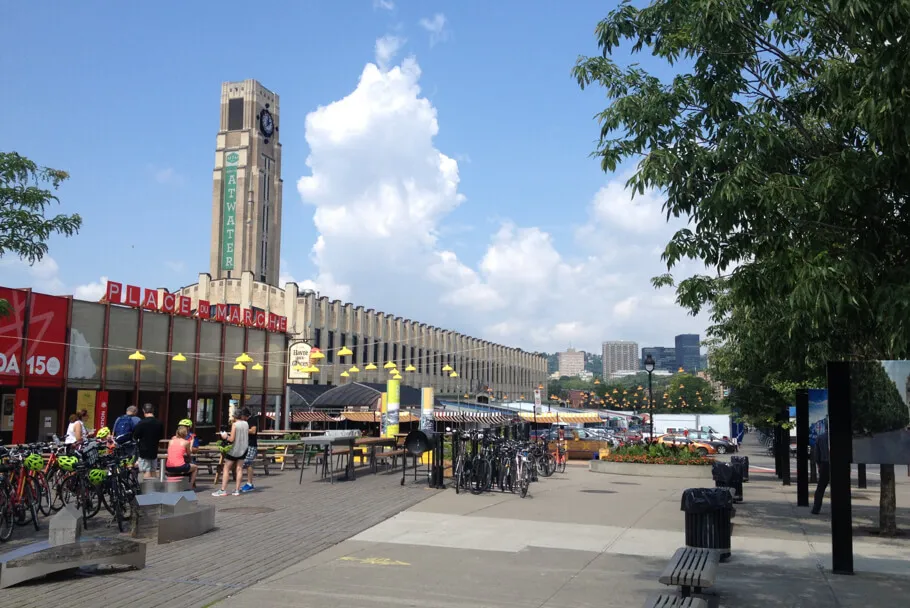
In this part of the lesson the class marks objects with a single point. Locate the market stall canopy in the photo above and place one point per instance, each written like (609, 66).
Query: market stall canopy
(488, 418)
(300, 396)
(569, 418)
(363, 394)
(305, 417)
(403, 417)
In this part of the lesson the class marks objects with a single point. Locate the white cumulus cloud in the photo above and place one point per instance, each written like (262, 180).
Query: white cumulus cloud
(382, 194)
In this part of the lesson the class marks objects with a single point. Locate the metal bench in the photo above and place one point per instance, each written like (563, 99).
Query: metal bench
(691, 569)
(674, 601)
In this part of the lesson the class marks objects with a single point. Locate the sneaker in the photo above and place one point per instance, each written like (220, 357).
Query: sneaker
(219, 493)
(235, 493)
(247, 487)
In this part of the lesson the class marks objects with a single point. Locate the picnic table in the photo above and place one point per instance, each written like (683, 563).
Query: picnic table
(326, 444)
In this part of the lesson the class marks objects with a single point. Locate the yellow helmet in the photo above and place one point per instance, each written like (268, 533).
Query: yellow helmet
(103, 433)
(186, 422)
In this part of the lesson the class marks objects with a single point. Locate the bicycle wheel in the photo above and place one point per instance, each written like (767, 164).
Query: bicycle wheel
(457, 473)
(30, 496)
(478, 475)
(44, 494)
(117, 505)
(546, 464)
(561, 463)
(6, 516)
(524, 481)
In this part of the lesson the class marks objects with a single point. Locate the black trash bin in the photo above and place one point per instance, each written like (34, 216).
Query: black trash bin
(708, 519)
(728, 476)
(744, 461)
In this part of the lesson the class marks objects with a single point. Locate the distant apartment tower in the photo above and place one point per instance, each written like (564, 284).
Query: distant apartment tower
(571, 362)
(664, 357)
(618, 356)
(688, 352)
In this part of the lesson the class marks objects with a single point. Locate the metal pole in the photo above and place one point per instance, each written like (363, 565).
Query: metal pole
(650, 408)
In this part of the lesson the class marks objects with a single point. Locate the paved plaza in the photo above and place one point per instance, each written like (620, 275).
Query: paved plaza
(581, 539)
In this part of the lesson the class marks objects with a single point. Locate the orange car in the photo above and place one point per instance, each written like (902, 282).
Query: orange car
(693, 445)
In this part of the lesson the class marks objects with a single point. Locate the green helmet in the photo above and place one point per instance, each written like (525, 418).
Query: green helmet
(67, 463)
(224, 447)
(34, 462)
(186, 422)
(96, 476)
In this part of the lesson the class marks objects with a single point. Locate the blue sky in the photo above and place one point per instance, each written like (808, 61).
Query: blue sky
(545, 249)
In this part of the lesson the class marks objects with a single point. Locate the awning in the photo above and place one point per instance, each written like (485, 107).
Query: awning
(403, 417)
(364, 394)
(569, 418)
(303, 417)
(488, 418)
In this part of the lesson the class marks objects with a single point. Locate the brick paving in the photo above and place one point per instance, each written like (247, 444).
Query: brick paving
(256, 536)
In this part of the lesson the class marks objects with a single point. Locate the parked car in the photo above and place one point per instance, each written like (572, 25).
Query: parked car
(701, 447)
(723, 445)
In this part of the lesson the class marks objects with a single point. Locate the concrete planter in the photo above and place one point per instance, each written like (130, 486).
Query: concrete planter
(651, 470)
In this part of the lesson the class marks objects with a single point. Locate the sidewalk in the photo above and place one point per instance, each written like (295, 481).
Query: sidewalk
(587, 539)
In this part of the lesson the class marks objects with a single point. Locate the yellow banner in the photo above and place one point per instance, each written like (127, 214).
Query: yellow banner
(393, 405)
(85, 401)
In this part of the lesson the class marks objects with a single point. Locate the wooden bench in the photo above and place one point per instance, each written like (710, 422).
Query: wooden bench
(393, 455)
(674, 601)
(691, 569)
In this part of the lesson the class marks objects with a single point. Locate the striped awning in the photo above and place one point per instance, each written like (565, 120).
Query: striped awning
(303, 417)
(554, 417)
(403, 417)
(490, 418)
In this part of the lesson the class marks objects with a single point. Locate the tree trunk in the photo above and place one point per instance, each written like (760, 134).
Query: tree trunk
(887, 515)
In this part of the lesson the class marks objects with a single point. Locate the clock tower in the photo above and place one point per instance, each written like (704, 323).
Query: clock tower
(246, 190)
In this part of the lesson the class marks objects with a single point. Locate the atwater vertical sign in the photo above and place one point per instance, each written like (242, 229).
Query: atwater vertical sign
(229, 211)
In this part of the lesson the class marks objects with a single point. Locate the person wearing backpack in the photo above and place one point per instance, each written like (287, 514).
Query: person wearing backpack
(125, 424)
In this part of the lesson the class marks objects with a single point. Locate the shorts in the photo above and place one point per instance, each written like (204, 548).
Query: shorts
(181, 470)
(148, 465)
(236, 458)
(250, 457)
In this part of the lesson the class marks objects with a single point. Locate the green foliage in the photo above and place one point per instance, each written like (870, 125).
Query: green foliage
(785, 141)
(24, 229)
(877, 404)
(658, 454)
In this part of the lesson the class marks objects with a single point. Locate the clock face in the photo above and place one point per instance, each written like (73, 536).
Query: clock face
(266, 124)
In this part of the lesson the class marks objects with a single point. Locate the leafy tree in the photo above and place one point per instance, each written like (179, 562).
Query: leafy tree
(24, 228)
(784, 141)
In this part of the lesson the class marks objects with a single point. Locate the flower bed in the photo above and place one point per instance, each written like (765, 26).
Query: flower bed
(658, 454)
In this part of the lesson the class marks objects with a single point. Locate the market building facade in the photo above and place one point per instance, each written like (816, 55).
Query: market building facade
(59, 355)
(482, 368)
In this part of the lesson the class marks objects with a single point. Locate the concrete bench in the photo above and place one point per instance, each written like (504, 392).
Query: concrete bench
(674, 601)
(167, 517)
(65, 550)
(691, 569)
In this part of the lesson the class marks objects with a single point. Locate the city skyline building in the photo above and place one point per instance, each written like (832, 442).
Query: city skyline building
(619, 355)
(247, 185)
(688, 352)
(664, 357)
(571, 362)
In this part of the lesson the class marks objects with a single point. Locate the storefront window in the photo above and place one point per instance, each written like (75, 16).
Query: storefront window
(209, 356)
(155, 327)
(277, 364)
(256, 349)
(122, 334)
(233, 347)
(86, 344)
(205, 412)
(184, 341)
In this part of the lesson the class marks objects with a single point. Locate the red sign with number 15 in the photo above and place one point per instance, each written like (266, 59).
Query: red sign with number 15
(46, 345)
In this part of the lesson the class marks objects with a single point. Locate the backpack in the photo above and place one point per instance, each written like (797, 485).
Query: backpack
(124, 425)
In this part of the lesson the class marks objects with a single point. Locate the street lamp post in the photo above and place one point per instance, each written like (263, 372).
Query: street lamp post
(649, 367)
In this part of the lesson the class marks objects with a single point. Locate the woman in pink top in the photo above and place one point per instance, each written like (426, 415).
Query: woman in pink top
(179, 455)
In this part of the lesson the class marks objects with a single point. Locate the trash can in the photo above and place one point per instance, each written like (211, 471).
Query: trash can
(727, 476)
(708, 514)
(744, 461)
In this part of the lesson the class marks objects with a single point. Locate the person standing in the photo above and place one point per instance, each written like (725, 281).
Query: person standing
(252, 449)
(148, 434)
(126, 424)
(822, 456)
(239, 438)
(75, 432)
